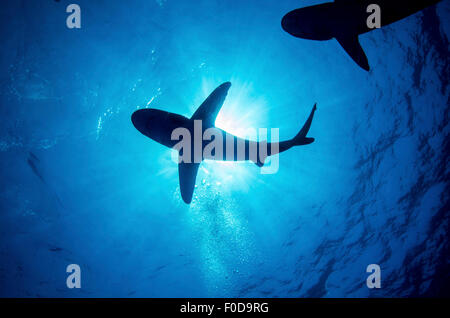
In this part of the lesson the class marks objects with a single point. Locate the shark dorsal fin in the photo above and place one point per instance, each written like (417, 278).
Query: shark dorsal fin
(209, 109)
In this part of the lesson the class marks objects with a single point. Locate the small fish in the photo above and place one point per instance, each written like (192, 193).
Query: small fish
(33, 156)
(32, 162)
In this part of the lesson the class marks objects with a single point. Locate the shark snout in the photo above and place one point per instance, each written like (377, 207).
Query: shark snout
(291, 23)
(286, 23)
(307, 23)
(141, 119)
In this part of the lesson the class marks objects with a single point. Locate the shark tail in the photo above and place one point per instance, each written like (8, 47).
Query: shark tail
(300, 139)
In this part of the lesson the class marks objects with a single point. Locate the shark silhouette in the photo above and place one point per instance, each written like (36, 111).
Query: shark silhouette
(159, 126)
(345, 20)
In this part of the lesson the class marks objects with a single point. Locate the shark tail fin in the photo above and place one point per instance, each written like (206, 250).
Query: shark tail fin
(300, 139)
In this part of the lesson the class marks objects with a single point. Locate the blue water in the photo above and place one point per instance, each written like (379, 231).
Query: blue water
(80, 185)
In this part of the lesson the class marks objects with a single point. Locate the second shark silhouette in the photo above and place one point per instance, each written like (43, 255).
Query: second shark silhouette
(345, 20)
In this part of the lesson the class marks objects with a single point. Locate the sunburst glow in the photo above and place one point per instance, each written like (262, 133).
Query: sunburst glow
(239, 113)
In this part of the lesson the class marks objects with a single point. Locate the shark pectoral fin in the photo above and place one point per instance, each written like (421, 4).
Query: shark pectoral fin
(187, 175)
(353, 48)
(209, 109)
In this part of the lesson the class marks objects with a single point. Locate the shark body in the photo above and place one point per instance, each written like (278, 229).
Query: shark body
(345, 20)
(160, 126)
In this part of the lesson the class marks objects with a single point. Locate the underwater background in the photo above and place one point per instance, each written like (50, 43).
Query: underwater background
(79, 184)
